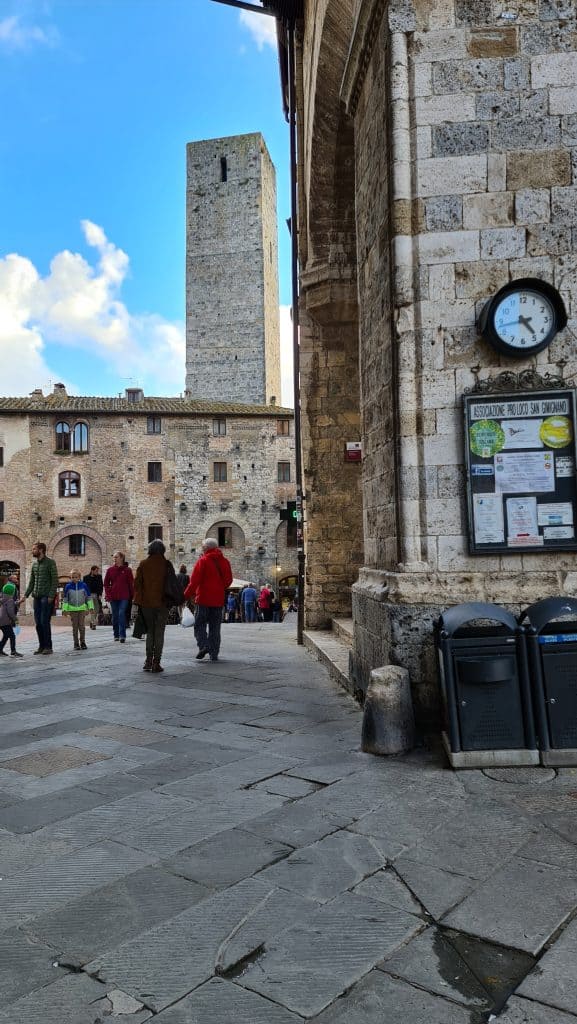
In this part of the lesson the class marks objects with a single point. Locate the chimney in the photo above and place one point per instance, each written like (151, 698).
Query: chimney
(37, 393)
(60, 390)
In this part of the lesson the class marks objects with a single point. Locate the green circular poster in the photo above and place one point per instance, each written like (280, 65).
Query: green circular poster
(486, 438)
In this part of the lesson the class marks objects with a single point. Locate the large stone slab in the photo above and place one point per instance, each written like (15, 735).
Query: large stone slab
(167, 962)
(103, 920)
(477, 839)
(310, 965)
(26, 965)
(387, 887)
(326, 868)
(554, 980)
(524, 1011)
(211, 783)
(220, 1002)
(75, 999)
(33, 892)
(227, 857)
(379, 999)
(169, 835)
(297, 825)
(436, 889)
(48, 762)
(520, 906)
(32, 814)
(429, 961)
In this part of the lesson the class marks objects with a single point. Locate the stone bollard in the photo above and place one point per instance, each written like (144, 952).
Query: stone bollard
(388, 720)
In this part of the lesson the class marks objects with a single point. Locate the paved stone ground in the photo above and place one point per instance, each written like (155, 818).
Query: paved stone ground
(209, 846)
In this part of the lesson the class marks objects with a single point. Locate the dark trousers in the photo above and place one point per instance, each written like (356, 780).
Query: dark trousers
(155, 619)
(42, 613)
(208, 621)
(8, 634)
(118, 609)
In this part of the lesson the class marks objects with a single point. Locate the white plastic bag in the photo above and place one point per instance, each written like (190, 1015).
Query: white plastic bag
(187, 618)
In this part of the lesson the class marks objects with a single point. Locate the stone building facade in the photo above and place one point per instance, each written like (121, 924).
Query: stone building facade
(232, 301)
(90, 476)
(438, 162)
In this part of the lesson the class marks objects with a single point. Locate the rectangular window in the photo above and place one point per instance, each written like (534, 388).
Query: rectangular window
(77, 544)
(219, 427)
(153, 424)
(1, 456)
(154, 532)
(223, 169)
(155, 472)
(291, 533)
(283, 427)
(225, 536)
(220, 472)
(1, 511)
(284, 472)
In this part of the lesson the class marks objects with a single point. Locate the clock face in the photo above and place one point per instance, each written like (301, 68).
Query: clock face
(524, 320)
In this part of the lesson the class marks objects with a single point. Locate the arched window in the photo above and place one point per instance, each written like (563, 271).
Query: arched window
(80, 438)
(154, 532)
(62, 437)
(69, 485)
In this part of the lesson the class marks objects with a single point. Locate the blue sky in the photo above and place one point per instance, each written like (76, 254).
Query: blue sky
(103, 97)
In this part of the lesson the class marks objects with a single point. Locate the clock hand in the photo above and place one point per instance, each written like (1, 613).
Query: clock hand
(525, 320)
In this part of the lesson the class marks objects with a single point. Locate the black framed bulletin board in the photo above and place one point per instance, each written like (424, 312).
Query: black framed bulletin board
(521, 484)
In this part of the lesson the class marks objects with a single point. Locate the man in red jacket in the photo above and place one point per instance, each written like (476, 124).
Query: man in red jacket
(211, 578)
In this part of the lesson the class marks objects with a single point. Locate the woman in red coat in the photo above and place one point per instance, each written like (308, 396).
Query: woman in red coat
(211, 578)
(119, 591)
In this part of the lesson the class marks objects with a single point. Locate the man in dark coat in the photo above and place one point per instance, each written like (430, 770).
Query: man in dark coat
(93, 581)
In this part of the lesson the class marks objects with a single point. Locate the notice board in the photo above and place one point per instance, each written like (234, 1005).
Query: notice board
(521, 484)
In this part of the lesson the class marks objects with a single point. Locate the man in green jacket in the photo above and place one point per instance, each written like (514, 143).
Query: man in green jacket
(42, 585)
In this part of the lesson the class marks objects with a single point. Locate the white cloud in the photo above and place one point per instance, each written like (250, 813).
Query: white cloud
(286, 356)
(262, 28)
(78, 305)
(14, 35)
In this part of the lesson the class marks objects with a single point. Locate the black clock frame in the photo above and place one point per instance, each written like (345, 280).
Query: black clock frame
(534, 284)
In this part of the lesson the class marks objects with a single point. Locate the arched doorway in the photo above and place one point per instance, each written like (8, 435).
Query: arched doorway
(12, 559)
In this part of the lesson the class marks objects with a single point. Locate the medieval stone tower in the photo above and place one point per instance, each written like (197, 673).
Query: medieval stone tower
(232, 314)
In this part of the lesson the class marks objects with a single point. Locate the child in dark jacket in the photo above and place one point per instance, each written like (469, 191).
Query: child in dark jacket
(8, 613)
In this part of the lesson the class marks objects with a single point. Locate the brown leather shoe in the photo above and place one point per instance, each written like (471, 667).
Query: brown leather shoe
(147, 667)
(156, 666)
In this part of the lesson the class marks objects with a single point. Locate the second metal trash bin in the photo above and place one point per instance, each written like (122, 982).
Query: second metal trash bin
(552, 652)
(485, 687)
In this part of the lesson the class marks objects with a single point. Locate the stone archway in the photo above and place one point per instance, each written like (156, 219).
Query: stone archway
(329, 321)
(232, 541)
(93, 552)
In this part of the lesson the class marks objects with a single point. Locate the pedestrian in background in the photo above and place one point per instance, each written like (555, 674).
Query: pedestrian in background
(94, 582)
(248, 600)
(210, 579)
(231, 608)
(151, 596)
(119, 590)
(265, 604)
(42, 585)
(8, 612)
(183, 579)
(276, 609)
(77, 601)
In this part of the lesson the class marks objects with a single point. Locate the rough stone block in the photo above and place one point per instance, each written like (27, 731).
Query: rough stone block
(444, 213)
(563, 100)
(438, 109)
(449, 247)
(452, 174)
(502, 243)
(556, 69)
(388, 718)
(548, 239)
(492, 105)
(460, 139)
(564, 205)
(496, 42)
(517, 72)
(526, 131)
(473, 12)
(532, 206)
(479, 280)
(438, 46)
(538, 170)
(488, 210)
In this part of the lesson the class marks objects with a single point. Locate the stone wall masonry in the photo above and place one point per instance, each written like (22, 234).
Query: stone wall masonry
(117, 503)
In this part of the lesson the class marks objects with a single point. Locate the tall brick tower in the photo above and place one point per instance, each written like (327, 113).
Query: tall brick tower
(232, 314)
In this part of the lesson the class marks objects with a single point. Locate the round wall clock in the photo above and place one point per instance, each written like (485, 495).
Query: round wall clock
(523, 317)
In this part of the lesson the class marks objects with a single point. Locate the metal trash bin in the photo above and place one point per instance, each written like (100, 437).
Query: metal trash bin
(552, 654)
(485, 687)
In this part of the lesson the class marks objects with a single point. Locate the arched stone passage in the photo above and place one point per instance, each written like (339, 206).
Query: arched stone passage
(329, 322)
(93, 553)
